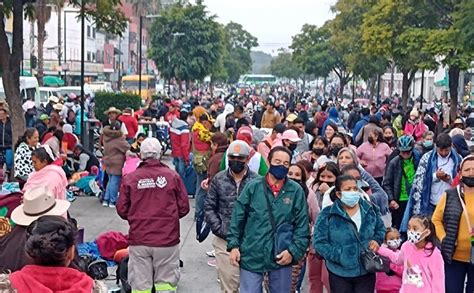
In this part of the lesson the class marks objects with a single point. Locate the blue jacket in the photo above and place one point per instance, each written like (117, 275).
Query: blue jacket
(359, 125)
(333, 116)
(379, 197)
(420, 194)
(335, 240)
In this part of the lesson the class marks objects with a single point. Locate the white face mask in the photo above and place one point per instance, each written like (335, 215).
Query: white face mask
(394, 243)
(414, 236)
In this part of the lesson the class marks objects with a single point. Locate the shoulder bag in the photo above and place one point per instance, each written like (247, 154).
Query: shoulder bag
(282, 234)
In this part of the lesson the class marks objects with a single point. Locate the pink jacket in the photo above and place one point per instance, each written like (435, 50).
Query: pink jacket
(386, 283)
(422, 272)
(375, 158)
(51, 176)
(416, 131)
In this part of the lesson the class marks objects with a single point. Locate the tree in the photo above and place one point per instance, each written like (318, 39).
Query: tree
(397, 30)
(284, 66)
(317, 54)
(41, 14)
(104, 13)
(238, 45)
(451, 42)
(186, 43)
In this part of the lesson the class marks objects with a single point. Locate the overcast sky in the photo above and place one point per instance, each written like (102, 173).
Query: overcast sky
(273, 22)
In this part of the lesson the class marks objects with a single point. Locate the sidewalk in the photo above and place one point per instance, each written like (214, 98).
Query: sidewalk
(196, 275)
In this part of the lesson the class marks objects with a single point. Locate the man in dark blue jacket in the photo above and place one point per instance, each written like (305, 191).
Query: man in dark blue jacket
(361, 123)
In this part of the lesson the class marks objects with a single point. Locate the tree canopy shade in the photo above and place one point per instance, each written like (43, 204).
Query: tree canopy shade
(105, 14)
(284, 66)
(186, 43)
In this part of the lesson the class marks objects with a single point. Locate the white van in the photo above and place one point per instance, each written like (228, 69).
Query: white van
(99, 86)
(67, 90)
(29, 88)
(46, 92)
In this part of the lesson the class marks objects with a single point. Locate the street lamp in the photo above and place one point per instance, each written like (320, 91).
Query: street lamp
(140, 52)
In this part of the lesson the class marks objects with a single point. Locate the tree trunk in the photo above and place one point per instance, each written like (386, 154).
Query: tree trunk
(408, 76)
(392, 79)
(453, 72)
(40, 17)
(10, 63)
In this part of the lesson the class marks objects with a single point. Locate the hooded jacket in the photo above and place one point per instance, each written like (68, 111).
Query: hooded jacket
(42, 279)
(115, 147)
(221, 118)
(332, 118)
(180, 139)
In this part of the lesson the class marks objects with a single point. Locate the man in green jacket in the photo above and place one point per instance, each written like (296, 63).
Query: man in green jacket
(251, 237)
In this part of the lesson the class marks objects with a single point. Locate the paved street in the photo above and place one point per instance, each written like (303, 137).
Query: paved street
(196, 276)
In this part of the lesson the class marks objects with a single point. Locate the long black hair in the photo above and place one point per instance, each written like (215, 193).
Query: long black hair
(304, 177)
(330, 167)
(42, 155)
(29, 132)
(48, 240)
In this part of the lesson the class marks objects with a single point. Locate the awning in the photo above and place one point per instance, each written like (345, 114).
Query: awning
(442, 83)
(25, 73)
(52, 81)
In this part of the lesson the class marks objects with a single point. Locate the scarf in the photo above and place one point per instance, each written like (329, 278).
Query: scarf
(204, 134)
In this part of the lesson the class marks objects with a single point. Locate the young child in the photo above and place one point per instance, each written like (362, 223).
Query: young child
(423, 265)
(392, 281)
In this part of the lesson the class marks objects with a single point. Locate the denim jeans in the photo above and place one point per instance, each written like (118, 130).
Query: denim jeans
(201, 194)
(179, 167)
(279, 281)
(111, 192)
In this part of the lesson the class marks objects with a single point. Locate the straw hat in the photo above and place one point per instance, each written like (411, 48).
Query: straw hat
(58, 107)
(113, 110)
(53, 99)
(38, 201)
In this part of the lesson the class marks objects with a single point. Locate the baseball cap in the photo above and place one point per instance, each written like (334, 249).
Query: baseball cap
(44, 117)
(238, 148)
(291, 117)
(150, 145)
(291, 135)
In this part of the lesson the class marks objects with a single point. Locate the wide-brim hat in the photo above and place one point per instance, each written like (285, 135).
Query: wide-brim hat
(53, 99)
(113, 110)
(37, 202)
(58, 107)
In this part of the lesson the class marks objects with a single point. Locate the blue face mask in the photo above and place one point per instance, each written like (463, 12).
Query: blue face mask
(428, 143)
(350, 198)
(278, 171)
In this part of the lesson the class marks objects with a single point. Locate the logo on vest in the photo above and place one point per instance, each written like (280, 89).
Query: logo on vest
(161, 182)
(146, 183)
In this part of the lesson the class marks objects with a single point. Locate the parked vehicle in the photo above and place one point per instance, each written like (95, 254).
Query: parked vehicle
(29, 89)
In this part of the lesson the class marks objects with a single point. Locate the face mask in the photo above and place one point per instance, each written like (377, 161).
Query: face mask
(371, 139)
(428, 144)
(318, 152)
(388, 138)
(414, 237)
(292, 147)
(394, 244)
(469, 181)
(335, 151)
(278, 171)
(236, 166)
(330, 184)
(350, 198)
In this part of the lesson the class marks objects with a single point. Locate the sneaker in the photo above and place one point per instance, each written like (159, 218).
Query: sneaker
(111, 205)
(211, 263)
(211, 253)
(105, 204)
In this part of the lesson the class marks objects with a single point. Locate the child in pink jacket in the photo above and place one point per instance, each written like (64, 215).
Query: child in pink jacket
(423, 265)
(392, 281)
(415, 126)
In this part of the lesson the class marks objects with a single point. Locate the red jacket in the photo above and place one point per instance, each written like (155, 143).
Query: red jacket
(180, 139)
(153, 199)
(131, 123)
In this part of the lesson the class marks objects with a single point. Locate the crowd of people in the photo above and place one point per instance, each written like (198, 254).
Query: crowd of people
(291, 186)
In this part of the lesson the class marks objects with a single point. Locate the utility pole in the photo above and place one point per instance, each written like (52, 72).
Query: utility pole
(140, 58)
(83, 29)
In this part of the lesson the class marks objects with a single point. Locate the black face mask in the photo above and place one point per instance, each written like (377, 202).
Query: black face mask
(469, 181)
(335, 151)
(330, 184)
(388, 138)
(318, 152)
(292, 147)
(236, 166)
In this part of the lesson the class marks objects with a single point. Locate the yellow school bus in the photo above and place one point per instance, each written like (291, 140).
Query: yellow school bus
(130, 85)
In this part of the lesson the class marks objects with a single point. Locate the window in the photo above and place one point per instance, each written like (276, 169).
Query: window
(93, 32)
(89, 56)
(88, 31)
(93, 57)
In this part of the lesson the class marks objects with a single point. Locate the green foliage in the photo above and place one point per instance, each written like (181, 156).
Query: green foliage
(284, 66)
(105, 100)
(238, 44)
(186, 43)
(463, 21)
